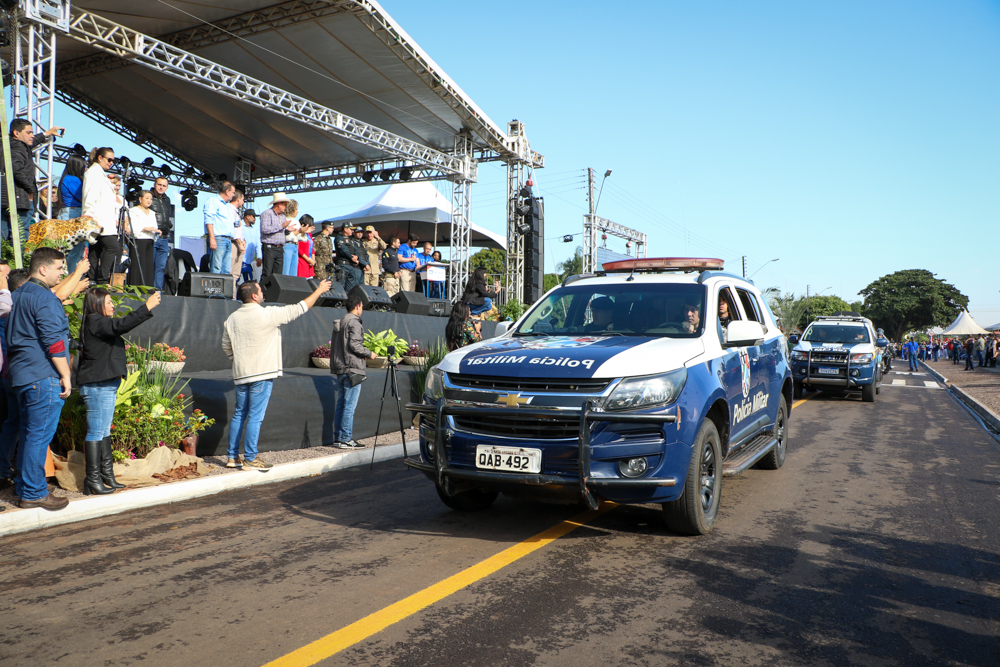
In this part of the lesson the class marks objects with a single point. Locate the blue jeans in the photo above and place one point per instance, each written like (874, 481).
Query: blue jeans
(99, 397)
(25, 215)
(161, 252)
(251, 403)
(40, 406)
(9, 432)
(347, 401)
(487, 304)
(221, 256)
(913, 362)
(290, 265)
(75, 253)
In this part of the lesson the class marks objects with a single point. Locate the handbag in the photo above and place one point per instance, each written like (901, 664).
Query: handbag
(356, 378)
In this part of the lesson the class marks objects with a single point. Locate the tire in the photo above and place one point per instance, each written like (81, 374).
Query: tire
(868, 393)
(797, 390)
(776, 457)
(473, 500)
(694, 513)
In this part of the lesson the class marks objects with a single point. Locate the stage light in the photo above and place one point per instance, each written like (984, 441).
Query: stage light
(525, 191)
(78, 149)
(189, 171)
(206, 178)
(223, 176)
(405, 174)
(124, 162)
(165, 170)
(368, 176)
(386, 174)
(568, 238)
(189, 199)
(524, 228)
(148, 162)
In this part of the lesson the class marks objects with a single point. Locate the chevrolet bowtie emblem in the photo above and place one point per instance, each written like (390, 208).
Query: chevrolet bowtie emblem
(514, 400)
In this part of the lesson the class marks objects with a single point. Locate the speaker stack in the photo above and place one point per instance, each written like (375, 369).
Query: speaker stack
(207, 285)
(279, 288)
(411, 303)
(373, 298)
(335, 298)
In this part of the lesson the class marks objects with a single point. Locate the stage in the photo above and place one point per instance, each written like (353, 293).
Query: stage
(300, 413)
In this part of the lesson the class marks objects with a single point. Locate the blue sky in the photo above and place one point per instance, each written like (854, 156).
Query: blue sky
(848, 139)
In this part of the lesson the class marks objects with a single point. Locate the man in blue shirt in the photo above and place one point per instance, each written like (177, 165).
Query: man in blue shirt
(912, 350)
(407, 254)
(37, 342)
(219, 222)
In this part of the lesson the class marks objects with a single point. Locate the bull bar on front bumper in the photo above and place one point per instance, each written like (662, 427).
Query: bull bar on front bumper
(587, 414)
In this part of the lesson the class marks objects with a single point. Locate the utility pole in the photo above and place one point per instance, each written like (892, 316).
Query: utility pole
(588, 225)
(744, 266)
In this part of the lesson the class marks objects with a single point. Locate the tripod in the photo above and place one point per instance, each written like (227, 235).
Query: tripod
(126, 235)
(390, 381)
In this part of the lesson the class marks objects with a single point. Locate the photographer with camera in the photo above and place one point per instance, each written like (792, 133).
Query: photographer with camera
(347, 363)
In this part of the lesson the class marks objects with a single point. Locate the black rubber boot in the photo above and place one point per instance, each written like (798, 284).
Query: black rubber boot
(93, 483)
(107, 465)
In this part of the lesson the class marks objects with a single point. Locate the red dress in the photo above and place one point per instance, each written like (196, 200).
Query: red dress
(305, 268)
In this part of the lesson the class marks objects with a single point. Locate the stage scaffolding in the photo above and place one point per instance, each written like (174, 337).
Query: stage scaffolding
(40, 78)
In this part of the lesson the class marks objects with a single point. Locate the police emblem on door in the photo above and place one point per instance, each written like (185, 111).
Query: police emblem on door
(745, 368)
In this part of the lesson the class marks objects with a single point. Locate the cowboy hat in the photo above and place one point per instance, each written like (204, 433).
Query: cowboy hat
(279, 197)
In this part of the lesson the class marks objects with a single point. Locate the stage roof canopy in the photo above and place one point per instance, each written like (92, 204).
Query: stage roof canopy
(347, 55)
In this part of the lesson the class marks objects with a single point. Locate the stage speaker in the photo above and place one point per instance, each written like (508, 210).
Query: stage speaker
(373, 298)
(280, 288)
(411, 303)
(335, 298)
(207, 285)
(440, 307)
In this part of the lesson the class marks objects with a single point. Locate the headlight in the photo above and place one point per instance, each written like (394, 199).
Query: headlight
(645, 391)
(799, 355)
(434, 386)
(862, 359)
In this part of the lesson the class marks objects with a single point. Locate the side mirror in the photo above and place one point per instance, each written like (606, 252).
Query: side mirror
(793, 339)
(882, 342)
(501, 329)
(743, 333)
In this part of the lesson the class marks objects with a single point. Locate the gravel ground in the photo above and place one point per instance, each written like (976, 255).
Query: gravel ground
(217, 464)
(983, 384)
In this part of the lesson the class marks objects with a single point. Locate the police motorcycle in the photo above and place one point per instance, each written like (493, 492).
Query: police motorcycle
(888, 352)
(647, 382)
(839, 353)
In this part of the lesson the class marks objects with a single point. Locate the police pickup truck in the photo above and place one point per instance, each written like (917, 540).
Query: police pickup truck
(644, 383)
(838, 353)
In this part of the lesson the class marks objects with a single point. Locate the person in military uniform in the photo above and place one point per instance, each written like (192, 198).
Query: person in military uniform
(323, 249)
(390, 267)
(349, 257)
(374, 246)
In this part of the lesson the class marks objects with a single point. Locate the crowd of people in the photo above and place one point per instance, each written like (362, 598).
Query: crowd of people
(979, 351)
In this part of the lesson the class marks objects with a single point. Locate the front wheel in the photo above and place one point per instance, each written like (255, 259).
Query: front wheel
(473, 500)
(868, 393)
(695, 511)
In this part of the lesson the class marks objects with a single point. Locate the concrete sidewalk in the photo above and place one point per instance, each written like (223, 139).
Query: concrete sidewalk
(92, 507)
(979, 389)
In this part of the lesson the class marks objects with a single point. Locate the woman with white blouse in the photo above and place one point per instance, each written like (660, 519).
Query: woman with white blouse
(290, 267)
(101, 203)
(145, 232)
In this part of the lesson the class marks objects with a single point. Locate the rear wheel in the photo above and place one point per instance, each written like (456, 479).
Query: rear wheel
(695, 511)
(776, 457)
(473, 500)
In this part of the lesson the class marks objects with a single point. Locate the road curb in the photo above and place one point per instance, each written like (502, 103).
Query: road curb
(94, 507)
(990, 419)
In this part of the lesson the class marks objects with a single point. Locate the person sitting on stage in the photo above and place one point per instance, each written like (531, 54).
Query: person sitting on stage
(479, 298)
(100, 203)
(252, 340)
(461, 329)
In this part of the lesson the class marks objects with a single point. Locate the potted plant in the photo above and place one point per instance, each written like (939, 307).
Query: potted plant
(379, 343)
(414, 355)
(321, 356)
(168, 359)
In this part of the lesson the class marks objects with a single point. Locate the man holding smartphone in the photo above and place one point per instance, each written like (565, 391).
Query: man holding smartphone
(23, 169)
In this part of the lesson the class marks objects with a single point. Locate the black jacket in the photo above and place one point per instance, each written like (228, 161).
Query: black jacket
(161, 207)
(477, 293)
(23, 167)
(102, 356)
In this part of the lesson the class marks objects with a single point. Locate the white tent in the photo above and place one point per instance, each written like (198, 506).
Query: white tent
(995, 327)
(963, 325)
(416, 208)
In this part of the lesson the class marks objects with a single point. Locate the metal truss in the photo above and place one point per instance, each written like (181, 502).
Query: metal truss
(516, 180)
(235, 27)
(595, 226)
(461, 210)
(124, 42)
(34, 91)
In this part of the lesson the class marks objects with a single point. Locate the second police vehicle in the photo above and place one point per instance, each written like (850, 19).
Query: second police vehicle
(644, 383)
(839, 353)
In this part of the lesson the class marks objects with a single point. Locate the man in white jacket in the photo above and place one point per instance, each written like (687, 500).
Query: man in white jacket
(252, 340)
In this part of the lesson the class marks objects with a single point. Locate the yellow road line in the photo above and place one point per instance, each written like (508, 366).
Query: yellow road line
(801, 401)
(358, 631)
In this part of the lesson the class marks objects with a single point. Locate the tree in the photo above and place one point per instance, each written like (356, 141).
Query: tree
(817, 306)
(551, 280)
(796, 312)
(571, 266)
(492, 259)
(911, 299)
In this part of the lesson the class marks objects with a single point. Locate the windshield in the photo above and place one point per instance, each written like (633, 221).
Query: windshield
(836, 333)
(645, 309)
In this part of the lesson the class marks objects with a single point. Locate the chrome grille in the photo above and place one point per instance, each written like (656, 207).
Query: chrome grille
(830, 357)
(529, 385)
(528, 428)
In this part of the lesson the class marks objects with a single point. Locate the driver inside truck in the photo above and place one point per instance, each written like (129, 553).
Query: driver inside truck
(602, 310)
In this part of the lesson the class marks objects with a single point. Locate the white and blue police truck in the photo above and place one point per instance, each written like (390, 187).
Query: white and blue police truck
(644, 383)
(838, 353)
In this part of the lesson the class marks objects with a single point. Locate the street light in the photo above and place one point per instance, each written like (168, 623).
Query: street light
(763, 265)
(606, 174)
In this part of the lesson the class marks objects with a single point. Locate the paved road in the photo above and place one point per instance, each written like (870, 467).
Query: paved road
(876, 544)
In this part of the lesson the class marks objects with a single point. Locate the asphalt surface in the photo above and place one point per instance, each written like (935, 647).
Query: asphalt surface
(878, 543)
